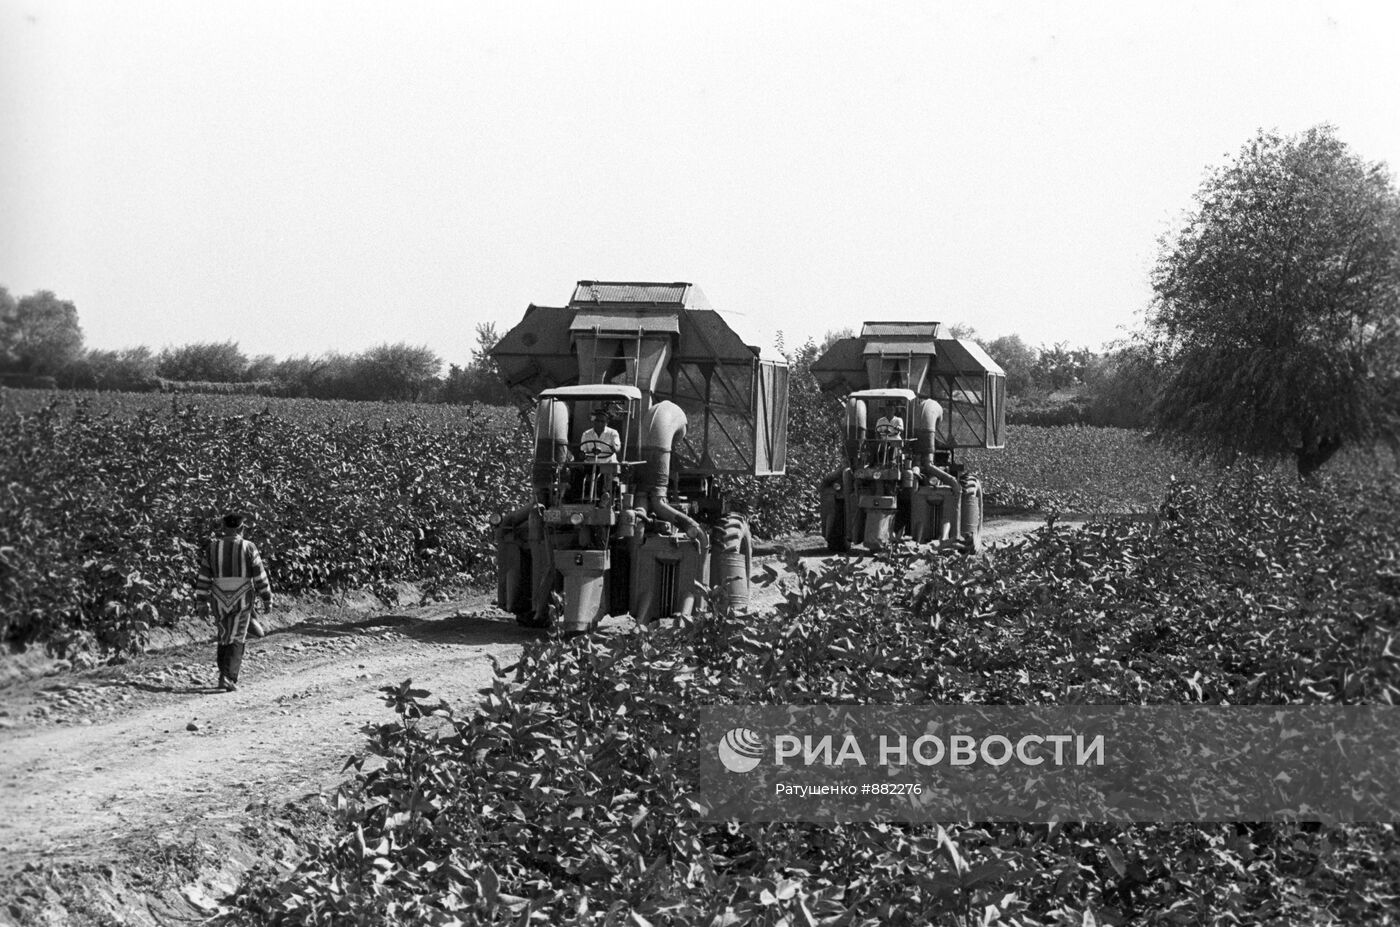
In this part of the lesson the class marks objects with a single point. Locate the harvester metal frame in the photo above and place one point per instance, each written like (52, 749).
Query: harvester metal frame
(950, 395)
(701, 405)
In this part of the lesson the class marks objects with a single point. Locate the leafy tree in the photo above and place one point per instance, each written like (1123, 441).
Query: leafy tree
(1060, 367)
(1017, 358)
(396, 372)
(294, 375)
(334, 375)
(486, 338)
(208, 361)
(1121, 386)
(1277, 306)
(127, 369)
(262, 367)
(480, 380)
(832, 336)
(39, 334)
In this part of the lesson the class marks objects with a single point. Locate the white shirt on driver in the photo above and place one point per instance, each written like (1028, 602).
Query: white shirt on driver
(600, 446)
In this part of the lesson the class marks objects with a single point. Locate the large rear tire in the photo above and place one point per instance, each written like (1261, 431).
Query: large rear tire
(731, 553)
(526, 615)
(835, 528)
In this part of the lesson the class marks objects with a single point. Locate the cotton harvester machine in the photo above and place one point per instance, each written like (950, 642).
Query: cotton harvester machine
(640, 524)
(912, 400)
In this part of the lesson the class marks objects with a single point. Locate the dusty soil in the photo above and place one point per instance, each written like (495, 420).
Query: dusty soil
(140, 793)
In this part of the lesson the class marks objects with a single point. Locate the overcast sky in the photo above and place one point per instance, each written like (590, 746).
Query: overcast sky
(305, 177)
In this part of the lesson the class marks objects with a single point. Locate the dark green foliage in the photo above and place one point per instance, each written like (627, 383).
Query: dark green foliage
(396, 372)
(1121, 387)
(1278, 306)
(1017, 359)
(561, 798)
(480, 380)
(1076, 470)
(1060, 367)
(39, 334)
(127, 370)
(1118, 392)
(208, 361)
(104, 511)
(388, 372)
(1043, 411)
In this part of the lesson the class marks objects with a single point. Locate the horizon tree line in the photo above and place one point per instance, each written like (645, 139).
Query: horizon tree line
(1274, 329)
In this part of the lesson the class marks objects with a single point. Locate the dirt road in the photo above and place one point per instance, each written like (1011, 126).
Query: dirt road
(107, 773)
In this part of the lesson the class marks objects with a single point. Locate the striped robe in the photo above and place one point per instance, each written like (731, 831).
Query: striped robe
(230, 575)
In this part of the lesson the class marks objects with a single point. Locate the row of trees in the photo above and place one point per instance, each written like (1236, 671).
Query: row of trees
(42, 337)
(41, 343)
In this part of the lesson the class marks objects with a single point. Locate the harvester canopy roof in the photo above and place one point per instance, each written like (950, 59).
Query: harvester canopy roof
(899, 337)
(961, 356)
(621, 293)
(602, 391)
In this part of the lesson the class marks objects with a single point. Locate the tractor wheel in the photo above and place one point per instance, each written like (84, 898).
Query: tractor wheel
(532, 619)
(972, 518)
(835, 533)
(535, 614)
(731, 554)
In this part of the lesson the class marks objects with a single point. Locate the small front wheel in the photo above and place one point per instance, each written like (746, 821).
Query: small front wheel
(532, 619)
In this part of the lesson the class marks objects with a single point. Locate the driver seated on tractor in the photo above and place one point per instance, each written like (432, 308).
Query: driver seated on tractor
(889, 431)
(600, 446)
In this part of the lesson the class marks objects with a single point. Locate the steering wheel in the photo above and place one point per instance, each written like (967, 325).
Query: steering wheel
(596, 449)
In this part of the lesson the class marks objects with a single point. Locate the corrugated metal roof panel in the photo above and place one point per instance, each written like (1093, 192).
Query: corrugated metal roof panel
(596, 291)
(919, 330)
(623, 321)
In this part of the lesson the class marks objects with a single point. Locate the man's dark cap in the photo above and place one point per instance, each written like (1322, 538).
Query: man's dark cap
(233, 521)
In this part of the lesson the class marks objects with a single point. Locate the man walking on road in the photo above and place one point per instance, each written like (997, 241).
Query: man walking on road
(231, 577)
